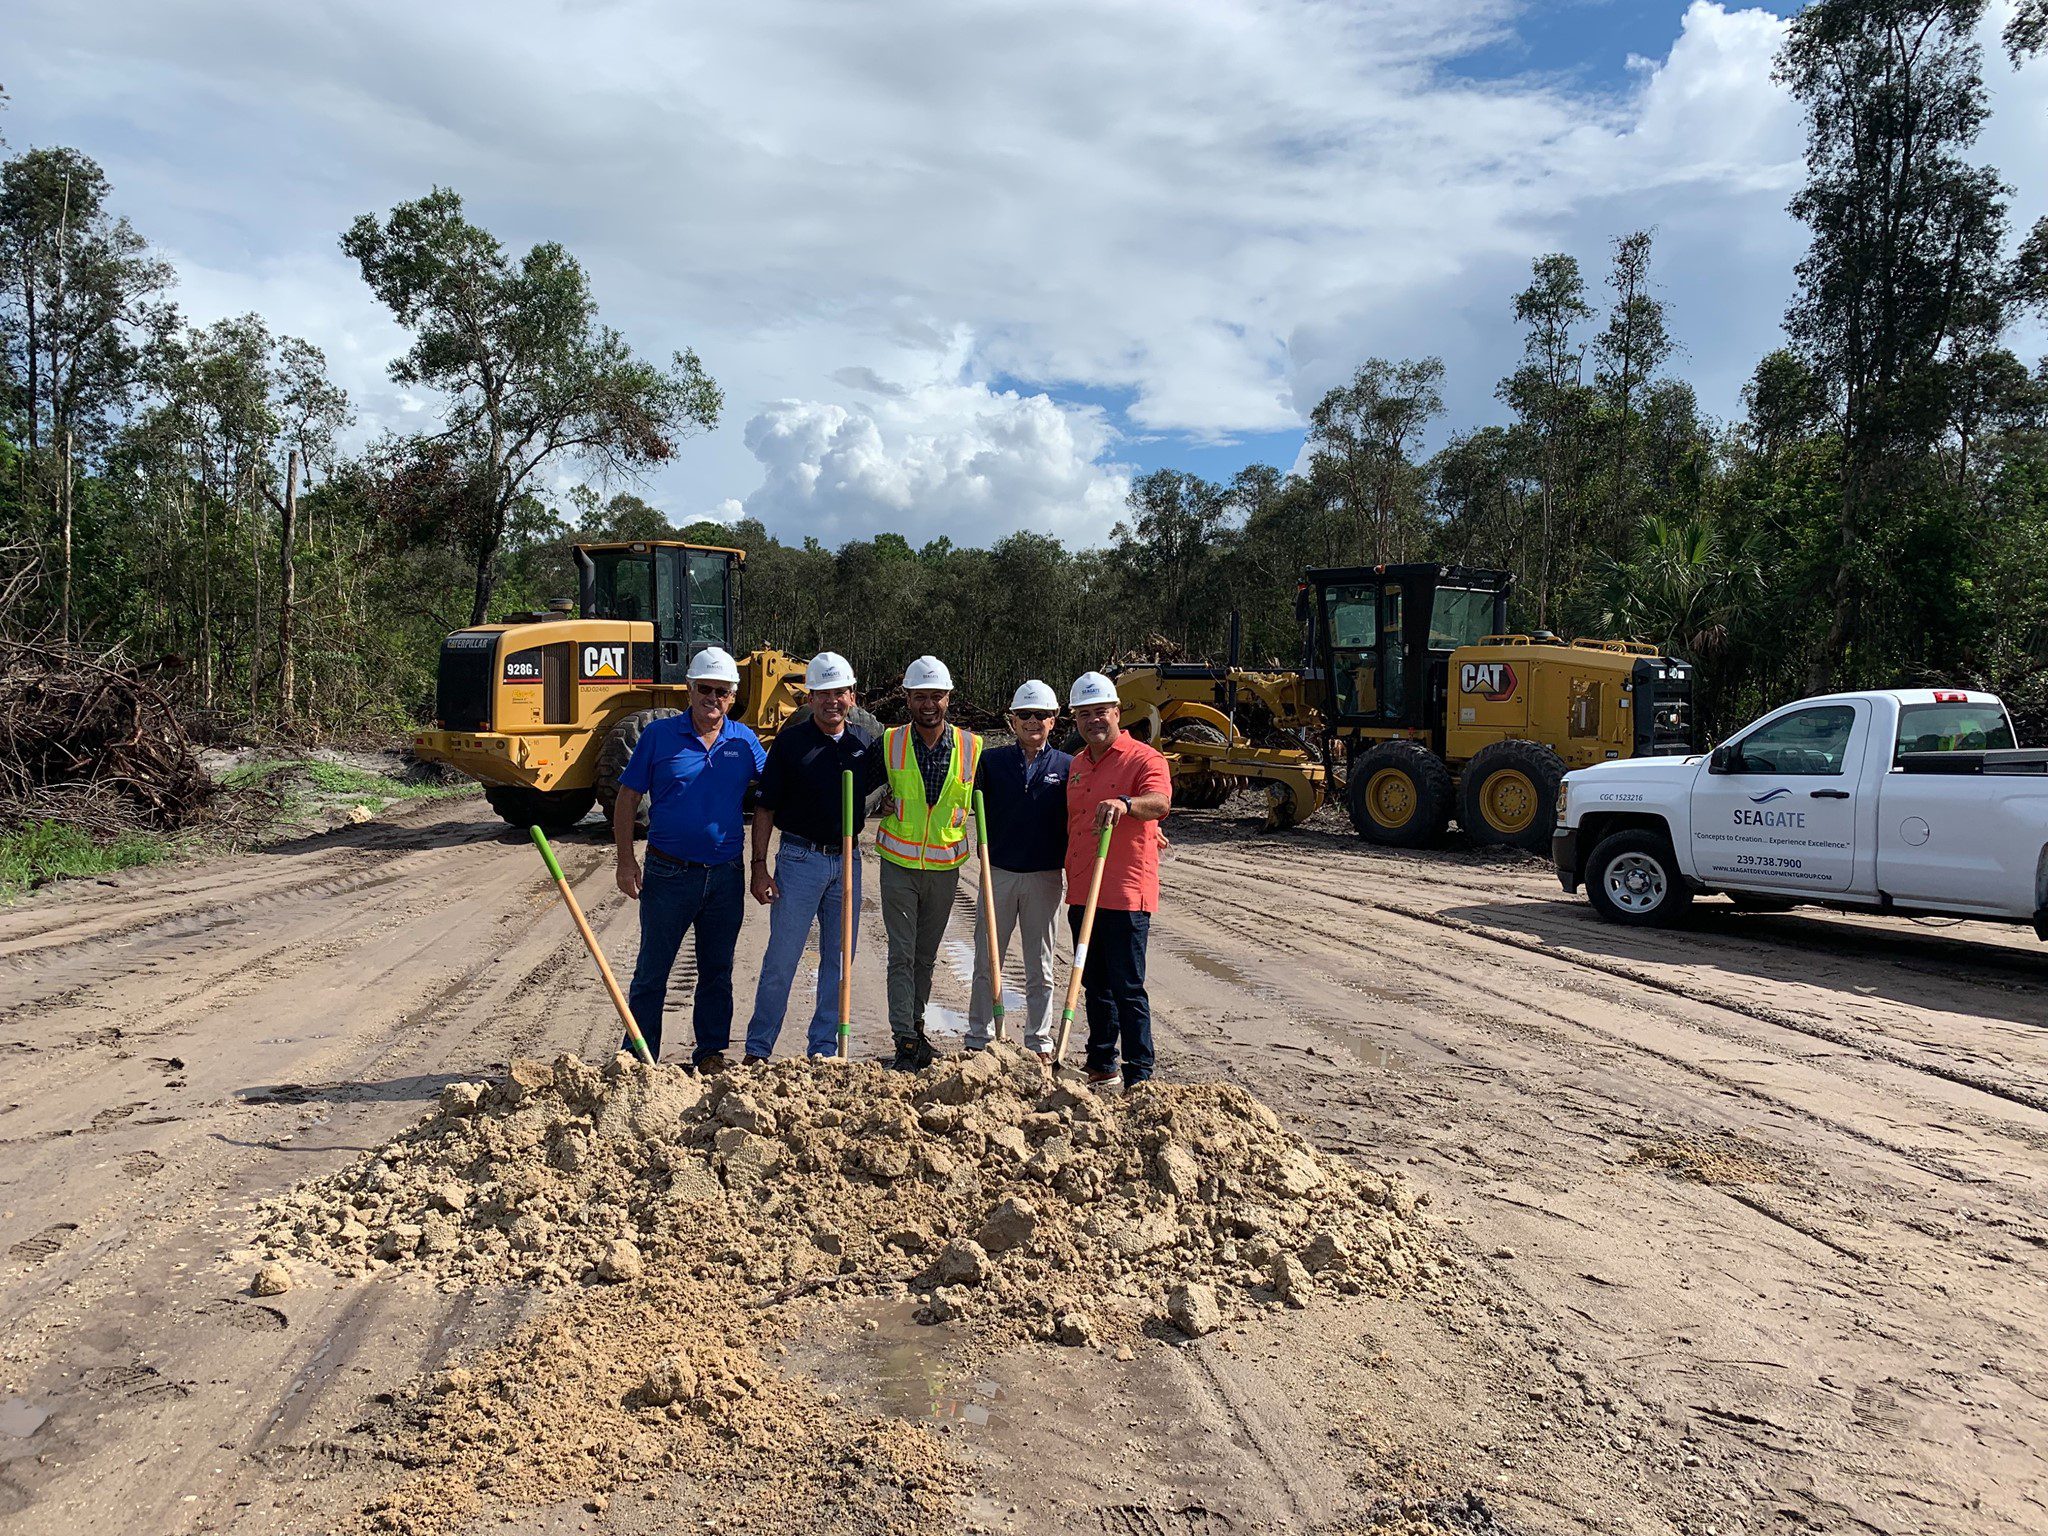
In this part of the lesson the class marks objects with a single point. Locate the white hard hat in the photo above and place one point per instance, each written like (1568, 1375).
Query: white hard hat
(928, 672)
(1035, 695)
(1091, 688)
(711, 665)
(828, 669)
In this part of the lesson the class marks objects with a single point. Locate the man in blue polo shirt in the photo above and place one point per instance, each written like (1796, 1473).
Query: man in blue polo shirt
(696, 768)
(1026, 788)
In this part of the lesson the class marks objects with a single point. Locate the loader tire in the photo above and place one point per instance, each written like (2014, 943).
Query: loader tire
(616, 752)
(1399, 795)
(1508, 795)
(1204, 791)
(552, 810)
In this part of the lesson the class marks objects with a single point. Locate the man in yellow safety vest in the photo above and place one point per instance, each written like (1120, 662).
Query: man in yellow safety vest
(923, 845)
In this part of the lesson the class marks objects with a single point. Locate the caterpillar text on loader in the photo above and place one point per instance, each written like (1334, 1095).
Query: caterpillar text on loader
(544, 708)
(1413, 704)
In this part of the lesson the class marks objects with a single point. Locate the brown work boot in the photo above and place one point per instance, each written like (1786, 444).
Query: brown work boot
(711, 1065)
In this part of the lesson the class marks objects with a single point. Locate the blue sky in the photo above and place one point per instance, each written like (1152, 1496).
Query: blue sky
(967, 267)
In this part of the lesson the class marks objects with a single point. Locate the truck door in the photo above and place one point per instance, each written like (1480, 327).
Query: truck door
(1776, 809)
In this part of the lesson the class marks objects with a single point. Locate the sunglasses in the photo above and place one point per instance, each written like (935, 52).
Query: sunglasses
(713, 690)
(1031, 714)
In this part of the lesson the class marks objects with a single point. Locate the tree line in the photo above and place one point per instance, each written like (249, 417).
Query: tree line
(1876, 514)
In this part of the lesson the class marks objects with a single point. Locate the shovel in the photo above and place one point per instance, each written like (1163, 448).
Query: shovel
(988, 916)
(1059, 1050)
(611, 982)
(846, 914)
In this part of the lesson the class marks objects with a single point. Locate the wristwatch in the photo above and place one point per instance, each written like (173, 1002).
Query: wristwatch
(1127, 802)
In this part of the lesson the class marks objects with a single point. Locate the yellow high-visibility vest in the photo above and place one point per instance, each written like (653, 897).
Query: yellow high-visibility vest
(927, 836)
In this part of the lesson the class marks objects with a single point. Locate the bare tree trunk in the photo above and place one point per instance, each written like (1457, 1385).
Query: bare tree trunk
(250, 504)
(64, 595)
(287, 584)
(205, 599)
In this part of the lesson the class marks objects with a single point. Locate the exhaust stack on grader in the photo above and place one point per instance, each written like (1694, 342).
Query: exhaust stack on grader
(1415, 707)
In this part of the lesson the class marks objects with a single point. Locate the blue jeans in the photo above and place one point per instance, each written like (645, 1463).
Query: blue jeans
(672, 899)
(808, 880)
(1119, 1012)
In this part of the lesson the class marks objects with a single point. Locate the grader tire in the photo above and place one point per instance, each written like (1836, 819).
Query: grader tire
(1399, 795)
(1205, 791)
(552, 810)
(1507, 795)
(616, 752)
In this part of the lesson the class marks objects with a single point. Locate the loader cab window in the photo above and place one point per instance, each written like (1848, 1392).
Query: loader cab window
(1354, 648)
(1459, 617)
(709, 580)
(1953, 728)
(625, 585)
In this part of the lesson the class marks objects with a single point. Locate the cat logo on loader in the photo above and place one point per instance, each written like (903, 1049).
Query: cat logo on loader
(603, 661)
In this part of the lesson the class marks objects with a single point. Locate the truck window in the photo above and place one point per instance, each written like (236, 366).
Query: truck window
(1953, 728)
(1807, 741)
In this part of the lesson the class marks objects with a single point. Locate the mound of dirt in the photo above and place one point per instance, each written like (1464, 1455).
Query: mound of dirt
(1032, 1207)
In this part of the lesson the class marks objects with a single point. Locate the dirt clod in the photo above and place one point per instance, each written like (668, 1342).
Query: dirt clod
(270, 1280)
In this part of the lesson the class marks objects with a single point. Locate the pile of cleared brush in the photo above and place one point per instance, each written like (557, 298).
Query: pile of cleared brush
(91, 740)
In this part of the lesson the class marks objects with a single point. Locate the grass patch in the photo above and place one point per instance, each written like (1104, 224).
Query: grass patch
(38, 852)
(296, 781)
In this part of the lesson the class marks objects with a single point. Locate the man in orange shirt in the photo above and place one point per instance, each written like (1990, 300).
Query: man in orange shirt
(1122, 784)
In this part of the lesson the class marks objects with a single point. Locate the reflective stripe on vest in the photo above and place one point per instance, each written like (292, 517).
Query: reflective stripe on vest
(921, 838)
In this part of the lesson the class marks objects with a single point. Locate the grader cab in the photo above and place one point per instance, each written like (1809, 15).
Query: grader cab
(544, 708)
(1414, 704)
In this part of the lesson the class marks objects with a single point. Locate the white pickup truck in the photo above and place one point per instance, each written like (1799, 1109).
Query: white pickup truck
(1907, 800)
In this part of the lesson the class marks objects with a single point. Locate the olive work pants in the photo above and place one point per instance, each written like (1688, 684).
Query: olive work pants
(915, 906)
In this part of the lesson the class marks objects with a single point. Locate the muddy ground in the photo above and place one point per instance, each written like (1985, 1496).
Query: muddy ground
(1748, 1219)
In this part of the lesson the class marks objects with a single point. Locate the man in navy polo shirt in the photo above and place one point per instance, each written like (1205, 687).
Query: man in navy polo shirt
(1026, 786)
(696, 768)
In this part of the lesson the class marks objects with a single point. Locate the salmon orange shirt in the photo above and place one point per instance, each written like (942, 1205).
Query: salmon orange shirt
(1130, 877)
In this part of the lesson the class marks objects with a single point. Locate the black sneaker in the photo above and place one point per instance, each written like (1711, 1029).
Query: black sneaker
(712, 1064)
(905, 1059)
(751, 1060)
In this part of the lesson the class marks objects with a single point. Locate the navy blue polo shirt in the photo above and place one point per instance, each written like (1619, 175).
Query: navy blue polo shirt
(801, 782)
(696, 805)
(1027, 808)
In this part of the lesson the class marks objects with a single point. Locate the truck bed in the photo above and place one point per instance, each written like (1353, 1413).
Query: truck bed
(2011, 760)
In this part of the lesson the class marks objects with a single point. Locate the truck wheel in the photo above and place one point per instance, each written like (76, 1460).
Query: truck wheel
(1633, 878)
(616, 752)
(552, 810)
(1508, 794)
(1400, 795)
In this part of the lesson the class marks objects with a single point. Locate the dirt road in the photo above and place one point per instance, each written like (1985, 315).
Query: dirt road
(1750, 1218)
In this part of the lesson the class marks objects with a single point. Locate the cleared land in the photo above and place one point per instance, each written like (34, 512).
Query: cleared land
(1749, 1218)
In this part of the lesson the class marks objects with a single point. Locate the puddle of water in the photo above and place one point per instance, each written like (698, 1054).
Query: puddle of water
(20, 1418)
(1209, 965)
(897, 1366)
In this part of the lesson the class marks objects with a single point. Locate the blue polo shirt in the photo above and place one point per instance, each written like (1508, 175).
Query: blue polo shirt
(696, 796)
(1027, 807)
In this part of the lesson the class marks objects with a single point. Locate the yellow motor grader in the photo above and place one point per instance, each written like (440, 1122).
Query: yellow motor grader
(544, 708)
(1415, 707)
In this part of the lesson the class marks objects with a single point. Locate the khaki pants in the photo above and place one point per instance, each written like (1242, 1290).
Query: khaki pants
(915, 906)
(1027, 903)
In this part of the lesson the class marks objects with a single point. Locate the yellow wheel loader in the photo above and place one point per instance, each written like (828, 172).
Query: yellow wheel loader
(544, 708)
(1414, 706)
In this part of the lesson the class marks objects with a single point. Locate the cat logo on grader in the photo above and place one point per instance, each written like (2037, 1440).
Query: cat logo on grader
(1494, 680)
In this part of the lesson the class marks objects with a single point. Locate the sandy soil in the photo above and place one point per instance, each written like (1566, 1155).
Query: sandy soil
(1749, 1216)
